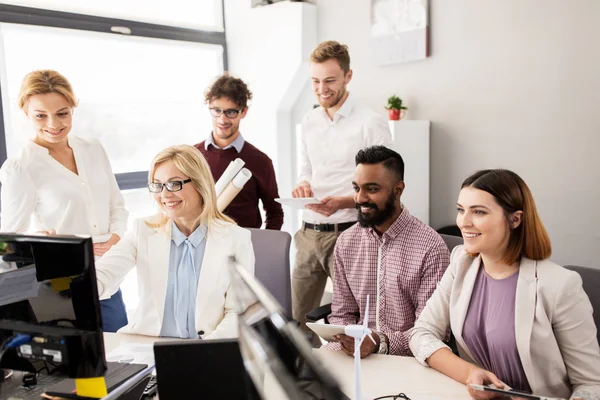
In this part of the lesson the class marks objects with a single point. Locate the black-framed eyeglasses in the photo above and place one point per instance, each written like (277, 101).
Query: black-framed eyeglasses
(393, 397)
(172, 186)
(229, 113)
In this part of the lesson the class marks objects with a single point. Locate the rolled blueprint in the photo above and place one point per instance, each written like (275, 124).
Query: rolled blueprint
(234, 187)
(232, 170)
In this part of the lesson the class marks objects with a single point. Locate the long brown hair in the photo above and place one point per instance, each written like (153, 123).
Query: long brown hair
(530, 238)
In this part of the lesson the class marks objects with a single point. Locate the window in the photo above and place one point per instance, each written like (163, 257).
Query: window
(201, 14)
(136, 95)
(138, 92)
(138, 68)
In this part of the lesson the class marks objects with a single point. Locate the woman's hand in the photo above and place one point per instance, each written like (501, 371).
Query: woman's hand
(101, 248)
(482, 377)
(48, 232)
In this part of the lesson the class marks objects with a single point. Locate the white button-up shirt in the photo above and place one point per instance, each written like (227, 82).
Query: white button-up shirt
(39, 193)
(328, 149)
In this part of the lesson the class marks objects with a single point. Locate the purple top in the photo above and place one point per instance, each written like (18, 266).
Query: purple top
(489, 330)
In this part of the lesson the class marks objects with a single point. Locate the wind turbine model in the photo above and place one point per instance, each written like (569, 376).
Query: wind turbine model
(358, 332)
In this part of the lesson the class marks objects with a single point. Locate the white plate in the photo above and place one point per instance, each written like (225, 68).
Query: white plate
(326, 331)
(298, 202)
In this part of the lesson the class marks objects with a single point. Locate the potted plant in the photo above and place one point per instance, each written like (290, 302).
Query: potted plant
(395, 107)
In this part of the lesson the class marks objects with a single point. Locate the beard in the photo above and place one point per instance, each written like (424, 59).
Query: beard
(377, 217)
(333, 101)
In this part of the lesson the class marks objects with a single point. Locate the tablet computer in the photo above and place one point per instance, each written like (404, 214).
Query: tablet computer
(511, 392)
(327, 331)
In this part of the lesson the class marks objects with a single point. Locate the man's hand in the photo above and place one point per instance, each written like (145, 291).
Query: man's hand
(328, 206)
(482, 377)
(101, 248)
(303, 190)
(367, 347)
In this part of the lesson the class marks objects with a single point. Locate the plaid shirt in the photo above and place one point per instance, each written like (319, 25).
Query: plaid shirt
(399, 271)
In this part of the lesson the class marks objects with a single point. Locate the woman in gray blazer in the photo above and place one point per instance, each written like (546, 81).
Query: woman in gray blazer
(519, 319)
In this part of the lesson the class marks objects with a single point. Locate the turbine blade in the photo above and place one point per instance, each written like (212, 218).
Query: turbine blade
(362, 338)
(372, 340)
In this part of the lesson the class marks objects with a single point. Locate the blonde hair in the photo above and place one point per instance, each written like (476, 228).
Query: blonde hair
(332, 50)
(43, 82)
(191, 163)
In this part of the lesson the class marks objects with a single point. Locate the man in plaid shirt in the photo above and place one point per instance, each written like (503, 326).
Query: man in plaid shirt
(389, 255)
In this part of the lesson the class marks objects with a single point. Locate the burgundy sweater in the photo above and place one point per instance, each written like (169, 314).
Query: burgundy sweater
(243, 209)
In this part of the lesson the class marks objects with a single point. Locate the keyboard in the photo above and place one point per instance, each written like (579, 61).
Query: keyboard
(35, 392)
(115, 375)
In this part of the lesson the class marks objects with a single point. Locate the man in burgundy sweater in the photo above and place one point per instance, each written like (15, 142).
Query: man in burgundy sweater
(228, 103)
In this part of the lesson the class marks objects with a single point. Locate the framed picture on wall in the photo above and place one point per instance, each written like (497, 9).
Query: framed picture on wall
(399, 30)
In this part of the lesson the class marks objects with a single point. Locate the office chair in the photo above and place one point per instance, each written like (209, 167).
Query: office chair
(453, 230)
(272, 264)
(324, 311)
(591, 283)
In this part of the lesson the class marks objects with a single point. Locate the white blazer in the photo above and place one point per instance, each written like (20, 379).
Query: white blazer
(554, 327)
(149, 249)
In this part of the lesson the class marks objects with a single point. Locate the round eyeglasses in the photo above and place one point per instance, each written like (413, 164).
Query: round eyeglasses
(229, 113)
(172, 186)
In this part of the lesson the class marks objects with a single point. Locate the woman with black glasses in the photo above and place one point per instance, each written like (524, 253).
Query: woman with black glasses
(181, 254)
(61, 183)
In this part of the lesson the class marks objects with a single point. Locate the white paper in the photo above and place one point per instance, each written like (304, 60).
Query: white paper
(233, 189)
(132, 353)
(232, 169)
(18, 284)
(241, 178)
(298, 202)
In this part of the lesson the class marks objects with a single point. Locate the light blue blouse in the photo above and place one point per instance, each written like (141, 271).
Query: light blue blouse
(185, 262)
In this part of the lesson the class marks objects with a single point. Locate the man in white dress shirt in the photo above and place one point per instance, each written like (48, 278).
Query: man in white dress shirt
(331, 136)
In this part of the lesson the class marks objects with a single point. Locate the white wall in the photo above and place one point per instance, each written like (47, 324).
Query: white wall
(268, 48)
(512, 84)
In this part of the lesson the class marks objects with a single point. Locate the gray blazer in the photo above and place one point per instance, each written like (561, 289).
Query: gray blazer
(554, 328)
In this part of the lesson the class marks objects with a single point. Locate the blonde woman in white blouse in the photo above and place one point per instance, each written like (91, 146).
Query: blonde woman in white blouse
(62, 183)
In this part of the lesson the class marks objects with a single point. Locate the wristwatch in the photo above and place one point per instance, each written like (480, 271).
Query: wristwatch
(383, 344)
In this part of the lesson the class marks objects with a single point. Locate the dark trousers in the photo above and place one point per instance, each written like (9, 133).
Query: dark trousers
(113, 312)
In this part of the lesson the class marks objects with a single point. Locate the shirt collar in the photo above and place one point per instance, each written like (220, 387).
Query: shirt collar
(71, 141)
(343, 112)
(238, 143)
(195, 238)
(346, 108)
(397, 227)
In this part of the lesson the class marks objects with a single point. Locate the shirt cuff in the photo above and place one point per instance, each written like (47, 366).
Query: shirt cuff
(333, 346)
(426, 347)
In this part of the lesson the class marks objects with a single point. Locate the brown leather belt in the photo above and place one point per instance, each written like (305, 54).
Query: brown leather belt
(329, 227)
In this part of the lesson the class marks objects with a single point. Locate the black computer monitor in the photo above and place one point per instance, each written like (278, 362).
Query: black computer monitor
(277, 355)
(48, 292)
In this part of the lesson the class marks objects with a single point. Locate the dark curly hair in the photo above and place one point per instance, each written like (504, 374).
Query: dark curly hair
(227, 86)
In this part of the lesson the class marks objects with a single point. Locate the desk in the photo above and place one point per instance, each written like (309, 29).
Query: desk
(385, 375)
(381, 374)
(114, 340)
